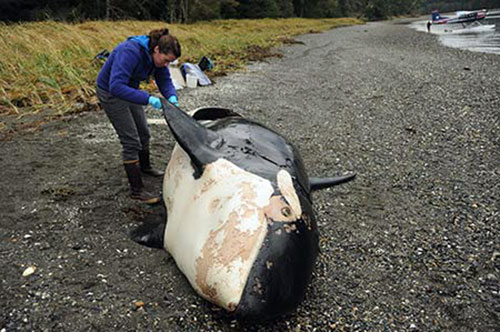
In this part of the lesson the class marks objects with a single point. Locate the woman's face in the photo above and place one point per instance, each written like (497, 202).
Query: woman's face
(162, 60)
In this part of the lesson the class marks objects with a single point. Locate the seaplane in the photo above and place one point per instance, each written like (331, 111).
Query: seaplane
(464, 19)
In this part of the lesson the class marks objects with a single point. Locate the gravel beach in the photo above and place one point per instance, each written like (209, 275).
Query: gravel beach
(413, 244)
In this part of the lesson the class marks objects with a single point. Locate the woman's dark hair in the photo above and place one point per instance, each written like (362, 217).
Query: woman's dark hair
(165, 41)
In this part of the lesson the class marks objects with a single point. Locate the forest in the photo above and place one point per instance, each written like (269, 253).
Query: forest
(455, 5)
(189, 11)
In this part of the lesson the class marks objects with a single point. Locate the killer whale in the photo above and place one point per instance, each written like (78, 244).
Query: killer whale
(241, 225)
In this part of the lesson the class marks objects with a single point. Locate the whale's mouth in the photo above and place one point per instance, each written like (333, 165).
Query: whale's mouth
(212, 113)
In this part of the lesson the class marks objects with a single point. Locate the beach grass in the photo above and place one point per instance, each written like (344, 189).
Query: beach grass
(49, 66)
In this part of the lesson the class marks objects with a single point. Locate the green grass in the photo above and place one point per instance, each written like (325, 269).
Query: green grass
(47, 66)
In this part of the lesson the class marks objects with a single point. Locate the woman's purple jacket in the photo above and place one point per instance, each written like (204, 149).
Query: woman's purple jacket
(129, 64)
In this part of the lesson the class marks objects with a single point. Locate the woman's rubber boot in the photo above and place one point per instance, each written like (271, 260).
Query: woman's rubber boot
(136, 186)
(146, 164)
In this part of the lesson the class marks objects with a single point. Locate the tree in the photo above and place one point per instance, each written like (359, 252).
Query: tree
(321, 8)
(229, 9)
(286, 8)
(205, 10)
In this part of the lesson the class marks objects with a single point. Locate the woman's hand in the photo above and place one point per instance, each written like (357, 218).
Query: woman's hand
(173, 100)
(155, 102)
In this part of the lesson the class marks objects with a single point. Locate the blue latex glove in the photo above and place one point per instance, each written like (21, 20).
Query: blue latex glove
(173, 100)
(155, 102)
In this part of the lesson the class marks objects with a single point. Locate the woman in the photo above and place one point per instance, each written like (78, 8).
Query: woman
(131, 62)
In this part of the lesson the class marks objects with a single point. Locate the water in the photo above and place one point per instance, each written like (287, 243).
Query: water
(483, 38)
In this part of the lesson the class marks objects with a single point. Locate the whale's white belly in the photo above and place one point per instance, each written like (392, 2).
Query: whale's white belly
(216, 225)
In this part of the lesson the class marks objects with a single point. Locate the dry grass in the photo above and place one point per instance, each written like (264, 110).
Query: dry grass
(48, 66)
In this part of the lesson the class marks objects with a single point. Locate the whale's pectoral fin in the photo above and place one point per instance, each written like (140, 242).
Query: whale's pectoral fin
(149, 235)
(196, 140)
(323, 183)
(151, 232)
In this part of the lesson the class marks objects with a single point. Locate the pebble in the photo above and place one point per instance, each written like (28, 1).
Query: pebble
(29, 271)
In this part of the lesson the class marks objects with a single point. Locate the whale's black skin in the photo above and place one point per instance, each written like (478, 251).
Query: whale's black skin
(282, 270)
(279, 277)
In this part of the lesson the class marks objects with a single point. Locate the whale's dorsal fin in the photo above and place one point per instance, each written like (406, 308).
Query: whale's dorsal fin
(195, 139)
(323, 183)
